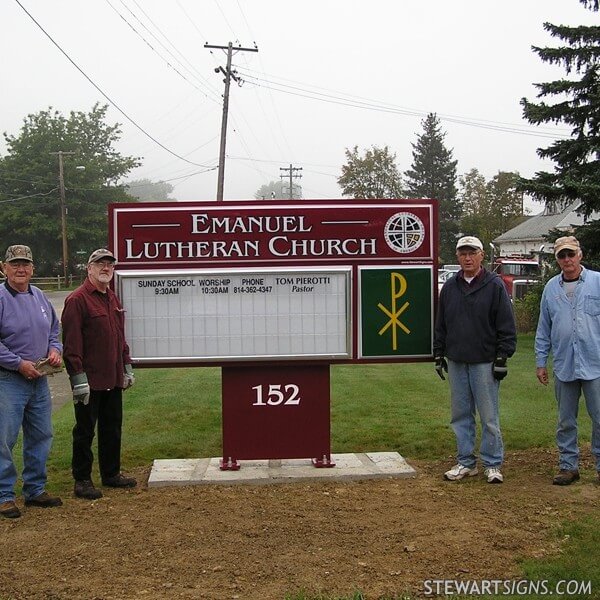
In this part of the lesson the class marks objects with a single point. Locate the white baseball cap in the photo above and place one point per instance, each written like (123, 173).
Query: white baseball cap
(471, 241)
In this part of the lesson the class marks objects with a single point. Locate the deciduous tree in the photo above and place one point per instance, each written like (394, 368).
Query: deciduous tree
(278, 190)
(29, 190)
(146, 190)
(373, 175)
(489, 207)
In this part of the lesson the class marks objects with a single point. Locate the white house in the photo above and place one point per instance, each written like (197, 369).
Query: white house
(528, 237)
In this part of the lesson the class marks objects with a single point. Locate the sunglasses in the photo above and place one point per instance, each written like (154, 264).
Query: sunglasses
(566, 254)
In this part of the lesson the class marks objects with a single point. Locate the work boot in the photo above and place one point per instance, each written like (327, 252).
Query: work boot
(85, 489)
(10, 510)
(119, 481)
(44, 500)
(565, 477)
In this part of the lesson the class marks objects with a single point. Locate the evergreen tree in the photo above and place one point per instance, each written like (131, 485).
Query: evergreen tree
(374, 175)
(576, 174)
(589, 238)
(433, 175)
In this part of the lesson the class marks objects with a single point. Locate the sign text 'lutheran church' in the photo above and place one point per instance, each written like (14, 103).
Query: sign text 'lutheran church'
(218, 283)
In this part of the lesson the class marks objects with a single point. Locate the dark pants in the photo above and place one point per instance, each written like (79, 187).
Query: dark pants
(106, 409)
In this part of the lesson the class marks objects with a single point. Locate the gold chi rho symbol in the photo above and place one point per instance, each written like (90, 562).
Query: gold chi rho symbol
(398, 288)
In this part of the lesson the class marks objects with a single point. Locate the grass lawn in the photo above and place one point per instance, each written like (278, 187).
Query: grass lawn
(176, 413)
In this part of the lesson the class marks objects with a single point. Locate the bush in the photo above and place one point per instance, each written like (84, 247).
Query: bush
(527, 310)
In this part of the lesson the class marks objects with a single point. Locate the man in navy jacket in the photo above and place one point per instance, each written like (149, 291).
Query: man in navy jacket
(475, 330)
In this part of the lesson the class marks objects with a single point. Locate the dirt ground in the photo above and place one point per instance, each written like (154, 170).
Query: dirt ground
(382, 537)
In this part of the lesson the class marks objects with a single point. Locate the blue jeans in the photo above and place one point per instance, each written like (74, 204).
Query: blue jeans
(567, 396)
(26, 404)
(473, 387)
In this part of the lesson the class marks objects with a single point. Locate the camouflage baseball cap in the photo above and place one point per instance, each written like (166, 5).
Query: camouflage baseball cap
(18, 252)
(101, 253)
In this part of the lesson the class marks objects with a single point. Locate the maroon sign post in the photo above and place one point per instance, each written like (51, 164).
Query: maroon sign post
(274, 293)
(276, 412)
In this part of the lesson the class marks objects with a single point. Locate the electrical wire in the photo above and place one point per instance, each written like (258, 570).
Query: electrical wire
(110, 100)
(191, 65)
(169, 64)
(31, 181)
(368, 104)
(275, 112)
(30, 196)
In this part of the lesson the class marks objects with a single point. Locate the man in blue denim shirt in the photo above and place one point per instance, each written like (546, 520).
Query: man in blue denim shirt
(569, 327)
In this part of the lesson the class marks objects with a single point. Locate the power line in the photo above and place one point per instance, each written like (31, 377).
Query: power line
(266, 160)
(364, 103)
(112, 102)
(31, 181)
(169, 64)
(274, 111)
(30, 196)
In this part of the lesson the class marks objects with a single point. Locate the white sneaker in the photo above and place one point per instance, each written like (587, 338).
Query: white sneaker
(493, 475)
(459, 471)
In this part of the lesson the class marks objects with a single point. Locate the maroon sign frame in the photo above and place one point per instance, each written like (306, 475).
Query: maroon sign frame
(184, 234)
(176, 238)
(281, 409)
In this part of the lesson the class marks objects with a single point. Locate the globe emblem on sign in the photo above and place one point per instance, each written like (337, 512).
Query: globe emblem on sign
(404, 232)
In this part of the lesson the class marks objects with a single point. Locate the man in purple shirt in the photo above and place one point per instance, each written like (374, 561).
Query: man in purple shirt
(98, 363)
(28, 332)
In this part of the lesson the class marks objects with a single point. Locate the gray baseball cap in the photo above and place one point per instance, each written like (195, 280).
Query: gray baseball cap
(100, 254)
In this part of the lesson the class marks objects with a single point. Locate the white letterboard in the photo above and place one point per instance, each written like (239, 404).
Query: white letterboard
(231, 315)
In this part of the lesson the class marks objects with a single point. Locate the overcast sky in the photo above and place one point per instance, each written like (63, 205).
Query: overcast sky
(328, 75)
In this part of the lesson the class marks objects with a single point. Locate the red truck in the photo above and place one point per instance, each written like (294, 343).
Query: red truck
(518, 273)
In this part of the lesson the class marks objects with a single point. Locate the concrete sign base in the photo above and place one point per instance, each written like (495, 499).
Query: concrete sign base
(200, 471)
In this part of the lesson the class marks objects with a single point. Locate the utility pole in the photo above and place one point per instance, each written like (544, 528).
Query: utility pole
(63, 211)
(229, 75)
(292, 173)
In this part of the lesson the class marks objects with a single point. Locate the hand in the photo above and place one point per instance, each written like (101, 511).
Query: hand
(440, 366)
(499, 369)
(542, 375)
(54, 358)
(28, 370)
(128, 377)
(81, 388)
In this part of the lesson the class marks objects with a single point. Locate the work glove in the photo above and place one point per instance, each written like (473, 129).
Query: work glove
(440, 366)
(45, 368)
(128, 377)
(81, 388)
(499, 368)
